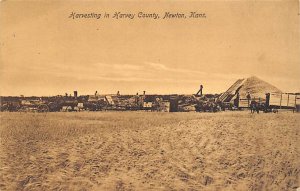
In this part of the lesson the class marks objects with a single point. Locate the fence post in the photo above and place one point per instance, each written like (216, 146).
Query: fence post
(280, 99)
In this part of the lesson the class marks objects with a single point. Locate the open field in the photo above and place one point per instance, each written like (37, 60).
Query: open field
(149, 151)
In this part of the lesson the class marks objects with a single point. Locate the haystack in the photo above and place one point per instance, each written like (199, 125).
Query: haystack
(256, 87)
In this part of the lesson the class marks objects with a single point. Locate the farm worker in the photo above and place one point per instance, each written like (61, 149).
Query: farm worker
(248, 98)
(257, 108)
(253, 106)
(201, 89)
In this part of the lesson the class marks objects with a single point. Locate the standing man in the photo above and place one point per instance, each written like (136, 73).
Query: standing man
(199, 93)
(201, 89)
(237, 100)
(248, 98)
(253, 106)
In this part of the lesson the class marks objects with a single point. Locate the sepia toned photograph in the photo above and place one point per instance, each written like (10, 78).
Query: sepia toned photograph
(149, 95)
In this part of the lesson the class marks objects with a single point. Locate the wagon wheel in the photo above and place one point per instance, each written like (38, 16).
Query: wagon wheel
(43, 108)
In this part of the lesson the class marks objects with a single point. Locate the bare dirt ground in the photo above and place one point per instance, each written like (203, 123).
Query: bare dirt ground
(149, 151)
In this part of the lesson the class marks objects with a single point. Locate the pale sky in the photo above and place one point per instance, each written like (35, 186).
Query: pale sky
(43, 52)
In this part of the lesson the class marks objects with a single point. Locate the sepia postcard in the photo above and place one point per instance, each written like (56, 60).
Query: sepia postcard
(149, 95)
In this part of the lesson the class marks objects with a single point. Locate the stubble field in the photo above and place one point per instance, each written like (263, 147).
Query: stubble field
(149, 151)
